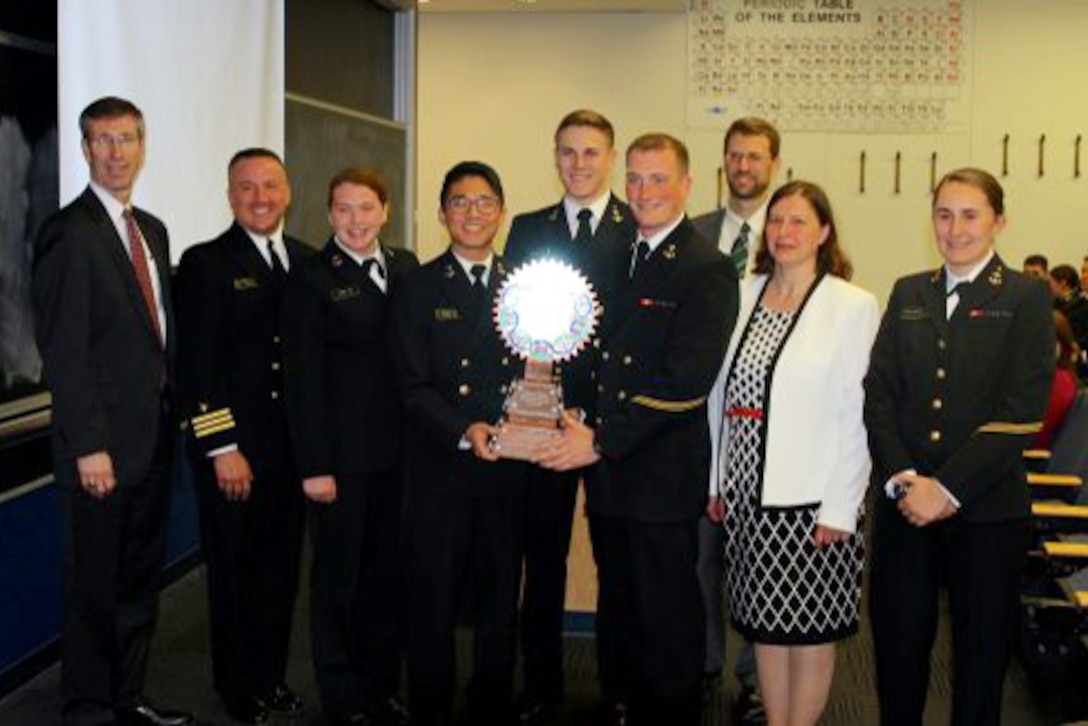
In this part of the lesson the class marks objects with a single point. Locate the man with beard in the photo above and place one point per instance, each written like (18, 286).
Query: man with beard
(751, 161)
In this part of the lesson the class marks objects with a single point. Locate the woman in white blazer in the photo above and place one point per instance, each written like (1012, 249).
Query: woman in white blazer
(790, 463)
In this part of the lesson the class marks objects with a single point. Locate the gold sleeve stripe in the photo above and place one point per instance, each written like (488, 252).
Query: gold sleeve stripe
(209, 430)
(1005, 427)
(210, 418)
(669, 406)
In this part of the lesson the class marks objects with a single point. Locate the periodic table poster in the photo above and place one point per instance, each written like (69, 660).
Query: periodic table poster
(865, 66)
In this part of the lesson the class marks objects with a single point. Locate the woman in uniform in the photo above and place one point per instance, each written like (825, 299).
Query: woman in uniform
(345, 420)
(794, 467)
(956, 389)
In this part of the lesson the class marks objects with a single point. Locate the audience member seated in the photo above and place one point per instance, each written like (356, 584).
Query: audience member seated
(1064, 389)
(1037, 266)
(1065, 284)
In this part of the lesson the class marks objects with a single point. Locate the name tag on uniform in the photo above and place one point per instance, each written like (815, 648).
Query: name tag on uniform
(246, 283)
(985, 313)
(445, 315)
(909, 314)
(339, 294)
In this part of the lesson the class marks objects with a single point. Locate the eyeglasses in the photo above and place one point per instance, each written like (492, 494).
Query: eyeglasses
(752, 157)
(484, 204)
(106, 141)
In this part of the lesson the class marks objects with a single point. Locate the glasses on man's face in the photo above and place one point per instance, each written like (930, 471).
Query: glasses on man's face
(108, 141)
(752, 157)
(484, 204)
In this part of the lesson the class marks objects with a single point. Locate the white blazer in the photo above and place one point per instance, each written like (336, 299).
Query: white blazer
(816, 447)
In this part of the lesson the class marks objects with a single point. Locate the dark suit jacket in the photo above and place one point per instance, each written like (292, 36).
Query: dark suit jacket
(104, 364)
(546, 233)
(960, 399)
(343, 407)
(662, 343)
(709, 226)
(453, 370)
(230, 376)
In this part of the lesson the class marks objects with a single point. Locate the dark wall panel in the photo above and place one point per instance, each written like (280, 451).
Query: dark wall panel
(341, 51)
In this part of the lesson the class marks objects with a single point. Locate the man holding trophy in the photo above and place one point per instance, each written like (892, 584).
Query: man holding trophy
(663, 338)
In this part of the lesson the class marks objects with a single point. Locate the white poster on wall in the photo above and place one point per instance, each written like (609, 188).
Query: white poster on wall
(870, 66)
(209, 78)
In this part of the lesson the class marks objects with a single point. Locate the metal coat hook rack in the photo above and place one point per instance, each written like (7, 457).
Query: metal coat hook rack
(1005, 156)
(861, 175)
(1042, 154)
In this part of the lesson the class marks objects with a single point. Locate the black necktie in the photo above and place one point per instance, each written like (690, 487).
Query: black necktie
(642, 251)
(278, 270)
(372, 268)
(585, 231)
(479, 289)
(739, 253)
(958, 289)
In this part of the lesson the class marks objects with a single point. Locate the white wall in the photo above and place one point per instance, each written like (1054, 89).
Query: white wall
(493, 87)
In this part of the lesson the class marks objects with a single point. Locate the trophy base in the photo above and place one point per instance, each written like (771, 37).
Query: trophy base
(522, 442)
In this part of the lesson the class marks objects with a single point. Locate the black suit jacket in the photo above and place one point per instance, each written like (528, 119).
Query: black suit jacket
(546, 233)
(662, 343)
(343, 407)
(453, 370)
(105, 366)
(230, 373)
(960, 399)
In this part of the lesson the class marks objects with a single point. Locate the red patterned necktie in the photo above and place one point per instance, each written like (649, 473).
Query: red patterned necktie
(143, 272)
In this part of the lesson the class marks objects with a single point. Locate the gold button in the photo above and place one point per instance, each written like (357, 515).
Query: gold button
(622, 395)
(502, 389)
(604, 355)
(938, 404)
(600, 388)
(505, 361)
(627, 360)
(275, 338)
(934, 435)
(275, 395)
(597, 343)
(464, 389)
(593, 375)
(941, 344)
(941, 374)
(464, 362)
(598, 420)
(275, 366)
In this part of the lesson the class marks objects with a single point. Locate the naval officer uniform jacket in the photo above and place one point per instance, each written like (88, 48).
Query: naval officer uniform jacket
(957, 399)
(463, 516)
(550, 496)
(662, 343)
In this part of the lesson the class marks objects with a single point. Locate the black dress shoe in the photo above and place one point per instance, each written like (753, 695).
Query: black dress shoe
(282, 701)
(532, 707)
(244, 709)
(142, 713)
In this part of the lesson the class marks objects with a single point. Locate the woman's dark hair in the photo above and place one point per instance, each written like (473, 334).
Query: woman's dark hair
(830, 259)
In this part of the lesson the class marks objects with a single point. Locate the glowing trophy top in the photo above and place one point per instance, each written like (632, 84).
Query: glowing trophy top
(546, 311)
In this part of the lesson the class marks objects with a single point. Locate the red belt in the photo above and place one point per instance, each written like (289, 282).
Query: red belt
(740, 412)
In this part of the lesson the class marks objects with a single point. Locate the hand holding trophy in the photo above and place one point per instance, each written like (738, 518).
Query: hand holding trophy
(546, 312)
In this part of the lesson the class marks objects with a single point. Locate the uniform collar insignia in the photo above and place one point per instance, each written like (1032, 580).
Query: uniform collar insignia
(937, 275)
(500, 267)
(669, 251)
(447, 272)
(554, 216)
(337, 260)
(617, 215)
(997, 277)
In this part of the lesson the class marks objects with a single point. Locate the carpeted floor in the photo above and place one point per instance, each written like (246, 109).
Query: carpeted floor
(180, 676)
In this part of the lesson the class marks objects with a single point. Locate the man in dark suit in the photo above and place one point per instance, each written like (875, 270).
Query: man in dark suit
(106, 333)
(231, 380)
(662, 342)
(463, 512)
(956, 389)
(346, 422)
(750, 159)
(591, 230)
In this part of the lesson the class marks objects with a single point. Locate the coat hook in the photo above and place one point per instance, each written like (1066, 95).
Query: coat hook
(933, 172)
(1005, 156)
(1042, 149)
(789, 174)
(861, 177)
(721, 177)
(898, 167)
(1076, 157)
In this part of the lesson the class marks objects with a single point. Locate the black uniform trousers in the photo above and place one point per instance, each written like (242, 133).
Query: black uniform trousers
(113, 559)
(355, 593)
(650, 621)
(549, 514)
(459, 544)
(251, 551)
(980, 564)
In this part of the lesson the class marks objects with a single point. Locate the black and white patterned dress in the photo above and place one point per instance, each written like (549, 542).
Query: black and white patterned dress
(782, 590)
